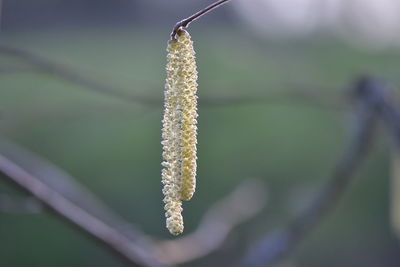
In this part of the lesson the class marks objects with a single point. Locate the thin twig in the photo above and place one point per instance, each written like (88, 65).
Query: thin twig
(278, 245)
(185, 22)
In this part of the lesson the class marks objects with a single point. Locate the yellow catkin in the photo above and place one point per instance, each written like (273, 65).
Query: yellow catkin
(179, 129)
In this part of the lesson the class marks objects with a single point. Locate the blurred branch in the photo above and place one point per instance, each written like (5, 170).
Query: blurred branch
(67, 186)
(388, 111)
(68, 74)
(243, 203)
(294, 94)
(135, 253)
(185, 22)
(57, 190)
(278, 245)
(391, 117)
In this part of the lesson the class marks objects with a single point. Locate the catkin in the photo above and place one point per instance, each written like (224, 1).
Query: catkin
(179, 132)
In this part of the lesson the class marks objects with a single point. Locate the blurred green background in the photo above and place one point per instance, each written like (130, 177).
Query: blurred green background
(112, 145)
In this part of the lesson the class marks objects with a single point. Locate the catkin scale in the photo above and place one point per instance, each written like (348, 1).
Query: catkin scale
(179, 129)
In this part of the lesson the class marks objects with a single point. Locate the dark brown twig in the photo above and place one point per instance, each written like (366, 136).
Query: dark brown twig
(278, 245)
(185, 22)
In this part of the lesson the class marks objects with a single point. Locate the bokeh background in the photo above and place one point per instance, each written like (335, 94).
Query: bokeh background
(264, 52)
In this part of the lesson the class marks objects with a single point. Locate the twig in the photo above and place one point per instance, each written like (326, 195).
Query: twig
(185, 22)
(277, 246)
(133, 253)
(243, 203)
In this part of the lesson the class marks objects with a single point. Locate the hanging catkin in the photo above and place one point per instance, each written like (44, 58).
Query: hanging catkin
(179, 132)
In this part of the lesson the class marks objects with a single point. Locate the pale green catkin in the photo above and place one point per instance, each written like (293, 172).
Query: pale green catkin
(179, 132)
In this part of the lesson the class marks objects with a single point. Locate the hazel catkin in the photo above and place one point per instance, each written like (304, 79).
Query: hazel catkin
(179, 131)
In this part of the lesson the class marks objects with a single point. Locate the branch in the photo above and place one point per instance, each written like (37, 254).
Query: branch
(110, 237)
(67, 186)
(277, 246)
(245, 202)
(391, 117)
(387, 109)
(185, 22)
(295, 93)
(47, 66)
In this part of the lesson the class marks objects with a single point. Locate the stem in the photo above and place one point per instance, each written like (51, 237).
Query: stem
(185, 22)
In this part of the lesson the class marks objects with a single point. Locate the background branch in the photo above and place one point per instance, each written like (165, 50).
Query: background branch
(68, 74)
(67, 186)
(135, 254)
(280, 244)
(76, 204)
(295, 94)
